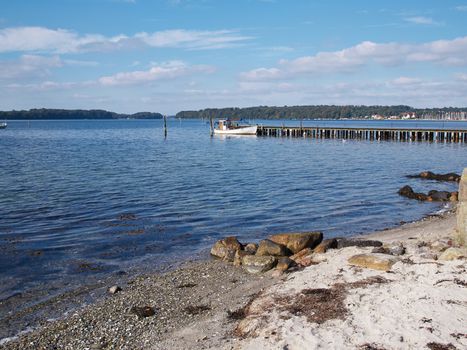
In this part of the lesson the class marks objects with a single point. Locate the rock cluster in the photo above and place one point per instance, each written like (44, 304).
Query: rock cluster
(281, 251)
(432, 196)
(288, 250)
(428, 175)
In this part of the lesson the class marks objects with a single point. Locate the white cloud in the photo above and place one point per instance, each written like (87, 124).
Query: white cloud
(169, 70)
(262, 74)
(461, 8)
(406, 81)
(442, 52)
(421, 20)
(40, 39)
(192, 39)
(29, 66)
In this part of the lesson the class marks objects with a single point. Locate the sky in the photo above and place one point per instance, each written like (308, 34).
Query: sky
(171, 55)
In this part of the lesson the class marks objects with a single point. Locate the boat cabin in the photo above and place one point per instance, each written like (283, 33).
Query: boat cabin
(227, 124)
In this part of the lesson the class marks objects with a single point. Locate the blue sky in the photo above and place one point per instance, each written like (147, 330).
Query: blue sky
(172, 55)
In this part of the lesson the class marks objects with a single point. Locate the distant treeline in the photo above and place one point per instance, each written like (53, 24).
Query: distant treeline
(311, 112)
(44, 113)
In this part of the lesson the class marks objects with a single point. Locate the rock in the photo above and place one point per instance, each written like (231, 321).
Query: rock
(344, 242)
(304, 257)
(239, 254)
(408, 192)
(440, 245)
(258, 264)
(373, 261)
(397, 250)
(325, 245)
(143, 311)
(306, 260)
(428, 175)
(295, 242)
(251, 248)
(439, 196)
(454, 197)
(226, 248)
(453, 254)
(114, 289)
(276, 273)
(283, 263)
(381, 250)
(301, 253)
(267, 247)
(429, 255)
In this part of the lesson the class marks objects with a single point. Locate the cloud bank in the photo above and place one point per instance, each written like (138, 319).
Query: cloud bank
(440, 52)
(60, 41)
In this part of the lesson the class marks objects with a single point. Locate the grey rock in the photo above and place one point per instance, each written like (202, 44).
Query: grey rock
(114, 289)
(344, 242)
(258, 264)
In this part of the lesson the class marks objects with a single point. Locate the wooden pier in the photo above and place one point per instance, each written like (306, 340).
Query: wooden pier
(359, 133)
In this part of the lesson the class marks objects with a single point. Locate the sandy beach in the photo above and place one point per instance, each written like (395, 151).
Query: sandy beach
(419, 303)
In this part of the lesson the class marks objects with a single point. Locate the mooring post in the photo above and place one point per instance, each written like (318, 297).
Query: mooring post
(211, 126)
(165, 126)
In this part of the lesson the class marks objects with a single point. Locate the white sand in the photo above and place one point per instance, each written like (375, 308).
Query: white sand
(412, 310)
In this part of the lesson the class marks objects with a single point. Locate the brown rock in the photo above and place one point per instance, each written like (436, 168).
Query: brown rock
(283, 263)
(301, 253)
(295, 242)
(267, 247)
(143, 311)
(251, 248)
(258, 264)
(226, 248)
(373, 261)
(408, 192)
(325, 245)
(306, 260)
(454, 196)
(239, 254)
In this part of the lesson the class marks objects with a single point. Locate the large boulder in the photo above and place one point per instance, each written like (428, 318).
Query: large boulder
(295, 242)
(226, 248)
(267, 247)
(381, 262)
(258, 264)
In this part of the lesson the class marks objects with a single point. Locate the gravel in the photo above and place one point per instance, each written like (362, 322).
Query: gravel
(211, 288)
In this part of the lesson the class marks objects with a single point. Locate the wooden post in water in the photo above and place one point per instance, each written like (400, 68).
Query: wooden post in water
(211, 126)
(165, 126)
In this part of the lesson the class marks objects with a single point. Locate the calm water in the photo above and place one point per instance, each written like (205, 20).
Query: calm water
(87, 198)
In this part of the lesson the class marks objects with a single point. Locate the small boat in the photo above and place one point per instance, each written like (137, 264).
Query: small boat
(3, 125)
(234, 127)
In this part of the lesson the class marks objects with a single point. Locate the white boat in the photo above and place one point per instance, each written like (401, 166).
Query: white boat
(3, 125)
(234, 127)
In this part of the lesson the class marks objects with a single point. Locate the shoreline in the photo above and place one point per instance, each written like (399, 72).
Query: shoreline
(224, 289)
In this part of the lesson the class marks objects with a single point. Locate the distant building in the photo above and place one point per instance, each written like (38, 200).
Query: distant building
(408, 115)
